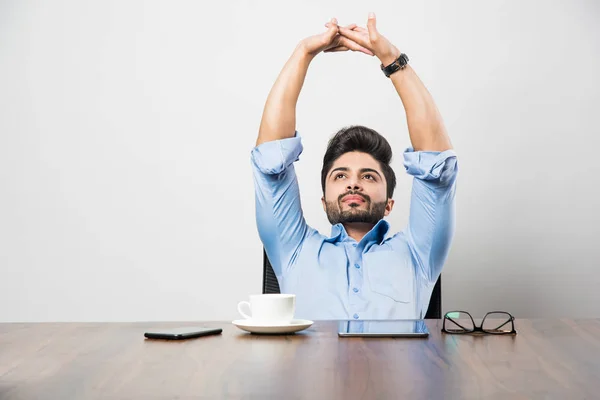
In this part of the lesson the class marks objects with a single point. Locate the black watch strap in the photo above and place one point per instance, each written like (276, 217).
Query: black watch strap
(399, 63)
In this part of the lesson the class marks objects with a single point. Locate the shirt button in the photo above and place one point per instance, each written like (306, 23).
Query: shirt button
(356, 266)
(354, 244)
(355, 316)
(355, 290)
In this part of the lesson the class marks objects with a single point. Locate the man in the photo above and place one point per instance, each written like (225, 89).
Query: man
(359, 271)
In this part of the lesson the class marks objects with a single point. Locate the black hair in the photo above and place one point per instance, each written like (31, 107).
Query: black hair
(363, 139)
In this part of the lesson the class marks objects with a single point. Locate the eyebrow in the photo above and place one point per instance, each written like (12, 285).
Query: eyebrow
(362, 171)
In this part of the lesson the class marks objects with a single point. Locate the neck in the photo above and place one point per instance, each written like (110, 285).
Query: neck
(357, 230)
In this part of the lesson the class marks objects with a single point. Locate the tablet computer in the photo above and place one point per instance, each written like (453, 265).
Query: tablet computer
(383, 328)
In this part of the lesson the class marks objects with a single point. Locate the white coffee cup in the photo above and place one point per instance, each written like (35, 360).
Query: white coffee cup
(269, 308)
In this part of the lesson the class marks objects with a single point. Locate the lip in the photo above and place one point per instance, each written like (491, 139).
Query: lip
(353, 198)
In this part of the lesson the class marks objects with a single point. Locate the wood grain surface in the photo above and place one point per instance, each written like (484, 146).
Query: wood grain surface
(548, 359)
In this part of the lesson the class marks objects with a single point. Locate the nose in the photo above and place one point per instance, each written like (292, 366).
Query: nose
(354, 184)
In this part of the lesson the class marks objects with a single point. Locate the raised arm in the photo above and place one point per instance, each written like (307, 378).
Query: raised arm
(279, 218)
(425, 125)
(431, 159)
(279, 115)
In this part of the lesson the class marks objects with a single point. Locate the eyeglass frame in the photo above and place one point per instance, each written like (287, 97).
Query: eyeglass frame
(479, 329)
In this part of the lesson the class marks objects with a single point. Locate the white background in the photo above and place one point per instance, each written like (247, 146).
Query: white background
(126, 128)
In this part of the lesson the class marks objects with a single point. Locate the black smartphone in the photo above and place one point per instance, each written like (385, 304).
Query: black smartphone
(181, 333)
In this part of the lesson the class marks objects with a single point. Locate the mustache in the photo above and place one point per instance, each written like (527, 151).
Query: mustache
(364, 196)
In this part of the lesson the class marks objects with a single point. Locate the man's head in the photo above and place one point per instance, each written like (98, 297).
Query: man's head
(357, 180)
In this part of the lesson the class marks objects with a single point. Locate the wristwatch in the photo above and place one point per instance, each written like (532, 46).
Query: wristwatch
(399, 63)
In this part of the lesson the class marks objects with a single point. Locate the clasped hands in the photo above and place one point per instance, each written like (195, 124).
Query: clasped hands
(352, 37)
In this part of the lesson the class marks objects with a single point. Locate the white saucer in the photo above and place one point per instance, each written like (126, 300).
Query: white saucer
(294, 325)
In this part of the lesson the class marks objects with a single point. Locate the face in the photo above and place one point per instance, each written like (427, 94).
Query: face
(356, 190)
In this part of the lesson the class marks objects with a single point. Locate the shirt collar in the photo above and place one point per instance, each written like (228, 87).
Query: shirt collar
(375, 235)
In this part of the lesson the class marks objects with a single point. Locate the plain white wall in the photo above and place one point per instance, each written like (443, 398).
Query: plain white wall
(126, 127)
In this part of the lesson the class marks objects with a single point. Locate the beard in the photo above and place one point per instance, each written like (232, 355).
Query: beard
(370, 214)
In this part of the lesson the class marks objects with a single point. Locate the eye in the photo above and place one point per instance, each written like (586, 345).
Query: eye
(338, 175)
(370, 176)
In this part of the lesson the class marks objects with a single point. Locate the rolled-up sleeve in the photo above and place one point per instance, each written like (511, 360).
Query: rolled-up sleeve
(279, 217)
(437, 167)
(274, 157)
(432, 210)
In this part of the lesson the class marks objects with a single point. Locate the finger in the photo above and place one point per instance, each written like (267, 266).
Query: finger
(332, 30)
(354, 46)
(351, 26)
(356, 37)
(371, 26)
(337, 48)
(358, 28)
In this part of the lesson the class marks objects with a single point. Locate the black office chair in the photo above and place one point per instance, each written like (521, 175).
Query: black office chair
(271, 285)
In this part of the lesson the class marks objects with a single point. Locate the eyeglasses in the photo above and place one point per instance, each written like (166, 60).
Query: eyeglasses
(494, 323)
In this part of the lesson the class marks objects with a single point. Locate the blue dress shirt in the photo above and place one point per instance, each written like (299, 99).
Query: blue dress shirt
(382, 276)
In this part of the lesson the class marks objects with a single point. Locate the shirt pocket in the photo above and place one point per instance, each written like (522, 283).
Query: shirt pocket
(390, 275)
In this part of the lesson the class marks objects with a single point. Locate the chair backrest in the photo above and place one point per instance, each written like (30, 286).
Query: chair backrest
(271, 285)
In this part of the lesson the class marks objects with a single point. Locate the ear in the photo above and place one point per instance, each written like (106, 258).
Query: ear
(324, 204)
(388, 207)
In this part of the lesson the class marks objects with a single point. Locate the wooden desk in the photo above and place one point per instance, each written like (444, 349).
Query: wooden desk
(548, 359)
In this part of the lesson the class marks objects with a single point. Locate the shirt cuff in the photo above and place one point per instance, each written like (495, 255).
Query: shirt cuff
(275, 156)
(431, 165)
